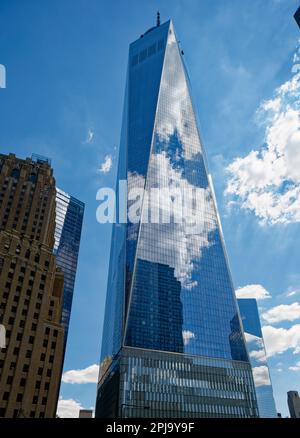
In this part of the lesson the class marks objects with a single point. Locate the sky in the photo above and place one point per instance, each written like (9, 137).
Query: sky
(65, 78)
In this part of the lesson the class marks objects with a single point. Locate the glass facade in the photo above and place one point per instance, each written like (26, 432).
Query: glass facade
(254, 338)
(69, 216)
(172, 325)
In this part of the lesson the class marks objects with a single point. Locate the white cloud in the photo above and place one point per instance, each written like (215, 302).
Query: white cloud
(159, 243)
(252, 338)
(279, 340)
(284, 312)
(86, 375)
(187, 336)
(89, 137)
(258, 352)
(295, 367)
(292, 292)
(106, 165)
(267, 181)
(261, 375)
(256, 291)
(259, 355)
(68, 408)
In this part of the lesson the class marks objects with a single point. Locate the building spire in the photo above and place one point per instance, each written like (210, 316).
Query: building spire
(158, 19)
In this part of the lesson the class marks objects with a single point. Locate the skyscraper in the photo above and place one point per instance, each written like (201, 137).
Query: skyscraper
(173, 343)
(31, 289)
(69, 216)
(297, 16)
(255, 342)
(294, 404)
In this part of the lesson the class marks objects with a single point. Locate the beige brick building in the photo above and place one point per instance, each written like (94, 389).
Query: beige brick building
(31, 290)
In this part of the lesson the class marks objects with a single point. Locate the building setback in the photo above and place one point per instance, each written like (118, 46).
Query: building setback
(31, 289)
(256, 347)
(173, 343)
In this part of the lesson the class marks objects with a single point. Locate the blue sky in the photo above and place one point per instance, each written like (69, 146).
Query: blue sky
(66, 66)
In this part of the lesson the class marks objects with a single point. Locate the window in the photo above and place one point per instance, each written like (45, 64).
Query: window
(49, 372)
(40, 371)
(9, 380)
(35, 400)
(25, 368)
(22, 381)
(19, 397)
(46, 387)
(43, 357)
(15, 173)
(37, 384)
(5, 396)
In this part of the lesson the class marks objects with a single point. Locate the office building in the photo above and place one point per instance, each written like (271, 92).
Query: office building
(85, 413)
(31, 289)
(293, 400)
(256, 348)
(69, 216)
(297, 16)
(173, 343)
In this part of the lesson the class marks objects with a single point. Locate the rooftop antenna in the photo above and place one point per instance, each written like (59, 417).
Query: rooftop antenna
(158, 19)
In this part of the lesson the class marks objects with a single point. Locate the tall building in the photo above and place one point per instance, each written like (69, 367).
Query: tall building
(297, 16)
(293, 400)
(69, 216)
(85, 413)
(256, 348)
(31, 289)
(173, 343)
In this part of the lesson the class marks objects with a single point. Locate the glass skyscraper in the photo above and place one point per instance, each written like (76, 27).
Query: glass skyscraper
(173, 343)
(256, 347)
(69, 216)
